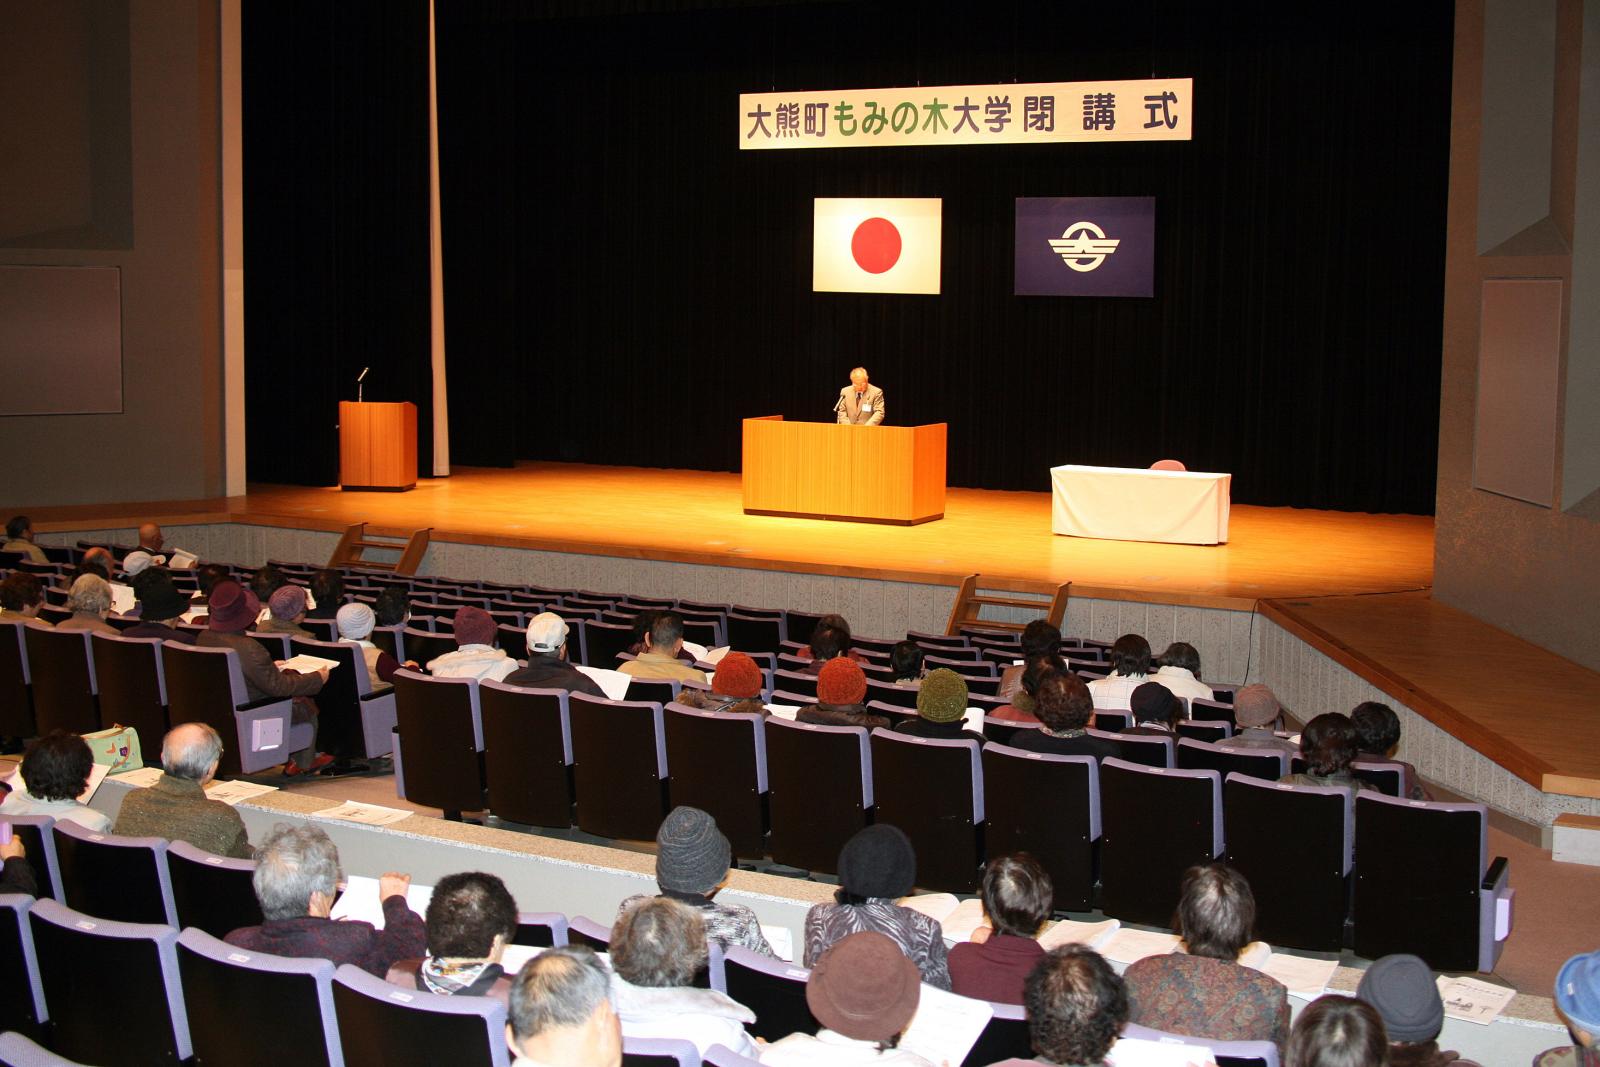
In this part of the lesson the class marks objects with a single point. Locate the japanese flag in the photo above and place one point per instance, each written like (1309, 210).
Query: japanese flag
(876, 245)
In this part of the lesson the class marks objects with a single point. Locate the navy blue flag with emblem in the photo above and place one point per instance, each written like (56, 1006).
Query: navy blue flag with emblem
(1086, 246)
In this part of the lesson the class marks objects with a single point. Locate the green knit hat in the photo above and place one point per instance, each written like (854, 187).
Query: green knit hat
(943, 696)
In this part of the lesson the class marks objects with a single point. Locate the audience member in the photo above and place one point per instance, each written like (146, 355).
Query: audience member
(1024, 701)
(152, 542)
(660, 657)
(296, 881)
(864, 992)
(735, 687)
(1377, 730)
(941, 703)
(1577, 1003)
(827, 644)
(21, 597)
(89, 600)
(55, 772)
(877, 866)
(547, 660)
(96, 560)
(1039, 638)
(1064, 707)
(905, 663)
(841, 687)
(355, 621)
(393, 607)
(286, 610)
(16, 873)
(561, 1013)
(692, 861)
(136, 563)
(476, 654)
(639, 635)
(327, 589)
(176, 806)
(1328, 745)
(1017, 899)
(836, 622)
(471, 919)
(1130, 667)
(267, 580)
(658, 946)
(206, 579)
(1204, 991)
(159, 604)
(19, 538)
(1256, 713)
(1156, 712)
(1179, 670)
(1403, 992)
(1337, 1031)
(233, 610)
(1077, 1007)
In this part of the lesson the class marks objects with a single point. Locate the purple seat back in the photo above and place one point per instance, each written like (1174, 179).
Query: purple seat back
(864, 747)
(974, 760)
(222, 954)
(364, 1003)
(1051, 757)
(1264, 1052)
(751, 719)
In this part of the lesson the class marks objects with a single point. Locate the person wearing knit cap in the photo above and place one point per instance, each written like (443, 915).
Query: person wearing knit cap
(1256, 713)
(159, 603)
(1577, 1002)
(877, 866)
(286, 610)
(841, 687)
(941, 703)
(233, 610)
(547, 660)
(864, 992)
(1156, 712)
(692, 861)
(735, 687)
(1402, 990)
(476, 654)
(355, 621)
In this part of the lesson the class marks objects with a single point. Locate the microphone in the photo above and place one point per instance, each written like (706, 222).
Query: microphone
(839, 405)
(360, 376)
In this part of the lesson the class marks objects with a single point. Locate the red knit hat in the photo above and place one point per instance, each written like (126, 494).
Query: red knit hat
(841, 682)
(737, 676)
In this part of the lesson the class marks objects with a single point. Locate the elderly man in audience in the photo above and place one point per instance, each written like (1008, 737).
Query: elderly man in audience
(152, 541)
(159, 604)
(286, 610)
(941, 703)
(1130, 668)
(89, 600)
(355, 621)
(1378, 735)
(1328, 745)
(1402, 990)
(561, 1013)
(1337, 1031)
(233, 611)
(1017, 899)
(21, 597)
(864, 992)
(547, 660)
(471, 919)
(692, 861)
(1077, 1007)
(844, 641)
(735, 687)
(658, 946)
(55, 772)
(1256, 712)
(827, 644)
(1064, 706)
(296, 880)
(99, 561)
(1039, 638)
(1179, 671)
(19, 538)
(476, 654)
(176, 806)
(660, 658)
(1204, 991)
(841, 687)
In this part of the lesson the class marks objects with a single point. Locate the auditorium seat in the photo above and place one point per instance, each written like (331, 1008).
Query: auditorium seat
(800, 625)
(22, 1008)
(1388, 778)
(438, 738)
(133, 688)
(61, 664)
(1109, 721)
(541, 929)
(1156, 824)
(698, 622)
(1293, 845)
(1004, 1037)
(1255, 763)
(722, 1056)
(211, 893)
(888, 693)
(277, 645)
(354, 720)
(933, 790)
(16, 685)
(653, 690)
(1141, 748)
(389, 639)
(1201, 730)
(795, 682)
(582, 930)
(110, 877)
(18, 1050)
(755, 633)
(382, 1023)
(1203, 710)
(40, 845)
(619, 760)
(810, 824)
(425, 646)
(1004, 731)
(206, 685)
(719, 765)
(527, 754)
(605, 640)
(1226, 1053)
(659, 1052)
(244, 1006)
(1047, 805)
(773, 989)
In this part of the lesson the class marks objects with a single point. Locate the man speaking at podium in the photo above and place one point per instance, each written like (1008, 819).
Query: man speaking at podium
(860, 403)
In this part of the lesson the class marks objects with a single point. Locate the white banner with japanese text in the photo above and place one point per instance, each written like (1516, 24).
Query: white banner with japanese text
(1153, 109)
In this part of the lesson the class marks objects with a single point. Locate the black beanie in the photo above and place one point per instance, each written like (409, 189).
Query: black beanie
(878, 862)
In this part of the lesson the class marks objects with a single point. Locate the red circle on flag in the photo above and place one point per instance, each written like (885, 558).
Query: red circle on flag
(875, 245)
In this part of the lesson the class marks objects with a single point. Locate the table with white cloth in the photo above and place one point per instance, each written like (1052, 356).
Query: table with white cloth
(1135, 504)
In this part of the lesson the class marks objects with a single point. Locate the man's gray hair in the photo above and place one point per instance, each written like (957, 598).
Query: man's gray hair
(189, 749)
(561, 986)
(90, 593)
(858, 370)
(659, 942)
(292, 863)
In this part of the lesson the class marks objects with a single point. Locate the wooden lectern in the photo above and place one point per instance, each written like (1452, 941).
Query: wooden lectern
(377, 446)
(821, 470)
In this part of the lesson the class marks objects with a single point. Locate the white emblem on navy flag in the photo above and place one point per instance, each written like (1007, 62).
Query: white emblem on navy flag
(1083, 246)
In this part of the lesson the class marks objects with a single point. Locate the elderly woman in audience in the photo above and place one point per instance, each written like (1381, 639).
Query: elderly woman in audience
(941, 705)
(1256, 712)
(55, 772)
(842, 645)
(266, 581)
(864, 992)
(1130, 668)
(1156, 712)
(1077, 1007)
(1203, 990)
(877, 866)
(471, 919)
(827, 644)
(355, 621)
(327, 589)
(1064, 707)
(476, 654)
(1017, 898)
(1328, 745)
(1024, 701)
(561, 1013)
(735, 687)
(905, 663)
(1337, 1031)
(1179, 671)
(1039, 638)
(89, 600)
(1378, 735)
(21, 597)
(1402, 990)
(159, 604)
(286, 610)
(841, 687)
(692, 861)
(393, 607)
(658, 946)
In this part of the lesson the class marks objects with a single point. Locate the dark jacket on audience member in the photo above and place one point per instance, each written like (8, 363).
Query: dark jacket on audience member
(547, 672)
(403, 935)
(161, 630)
(262, 677)
(841, 715)
(940, 731)
(1080, 745)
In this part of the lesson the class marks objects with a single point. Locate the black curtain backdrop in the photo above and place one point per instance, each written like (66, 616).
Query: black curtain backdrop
(623, 285)
(335, 115)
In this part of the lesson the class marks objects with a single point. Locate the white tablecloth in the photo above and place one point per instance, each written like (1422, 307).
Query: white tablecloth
(1132, 504)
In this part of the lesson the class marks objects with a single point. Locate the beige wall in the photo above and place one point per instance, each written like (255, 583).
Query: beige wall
(1522, 205)
(167, 442)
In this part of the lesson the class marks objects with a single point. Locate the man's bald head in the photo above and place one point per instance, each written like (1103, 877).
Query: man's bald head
(191, 751)
(150, 538)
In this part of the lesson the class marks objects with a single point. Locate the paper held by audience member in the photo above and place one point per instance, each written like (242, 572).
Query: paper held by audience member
(972, 718)
(1072, 932)
(97, 774)
(1473, 1001)
(122, 598)
(1138, 1052)
(1304, 978)
(946, 1026)
(934, 905)
(1131, 946)
(781, 938)
(699, 652)
(141, 778)
(182, 560)
(360, 902)
(714, 656)
(614, 684)
(307, 664)
(366, 814)
(237, 792)
(784, 711)
(515, 956)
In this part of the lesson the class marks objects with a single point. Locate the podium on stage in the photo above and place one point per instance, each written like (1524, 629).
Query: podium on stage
(822, 470)
(377, 446)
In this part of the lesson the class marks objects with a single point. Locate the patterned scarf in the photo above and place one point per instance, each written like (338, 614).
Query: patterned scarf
(447, 977)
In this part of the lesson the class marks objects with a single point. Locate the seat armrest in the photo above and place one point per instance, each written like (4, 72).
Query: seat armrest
(1496, 901)
(264, 702)
(1497, 873)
